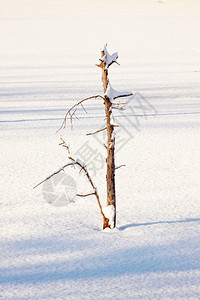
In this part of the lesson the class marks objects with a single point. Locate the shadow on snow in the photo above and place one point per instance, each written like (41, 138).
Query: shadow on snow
(182, 255)
(159, 222)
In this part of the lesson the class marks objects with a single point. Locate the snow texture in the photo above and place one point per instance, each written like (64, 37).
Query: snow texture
(47, 56)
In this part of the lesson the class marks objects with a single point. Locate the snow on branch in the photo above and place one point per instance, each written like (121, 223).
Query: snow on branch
(113, 94)
(71, 113)
(107, 58)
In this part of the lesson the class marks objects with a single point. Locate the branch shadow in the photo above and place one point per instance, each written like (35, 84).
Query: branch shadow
(159, 222)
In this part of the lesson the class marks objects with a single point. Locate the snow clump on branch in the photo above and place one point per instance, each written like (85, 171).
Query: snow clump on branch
(113, 94)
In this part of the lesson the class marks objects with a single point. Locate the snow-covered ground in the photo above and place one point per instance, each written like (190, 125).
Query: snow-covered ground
(48, 54)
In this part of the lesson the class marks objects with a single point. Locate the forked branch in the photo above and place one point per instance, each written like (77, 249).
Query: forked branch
(71, 113)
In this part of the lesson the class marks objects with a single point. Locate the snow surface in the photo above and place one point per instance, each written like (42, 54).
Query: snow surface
(47, 58)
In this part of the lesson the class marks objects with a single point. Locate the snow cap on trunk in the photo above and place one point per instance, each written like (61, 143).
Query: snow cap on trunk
(109, 212)
(107, 58)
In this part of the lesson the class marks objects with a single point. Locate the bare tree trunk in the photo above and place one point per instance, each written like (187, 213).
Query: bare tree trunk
(110, 177)
(109, 219)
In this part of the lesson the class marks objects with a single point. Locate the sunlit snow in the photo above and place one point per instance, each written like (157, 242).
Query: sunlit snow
(48, 53)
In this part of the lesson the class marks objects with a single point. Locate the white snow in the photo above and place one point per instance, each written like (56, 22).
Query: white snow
(112, 121)
(47, 58)
(107, 58)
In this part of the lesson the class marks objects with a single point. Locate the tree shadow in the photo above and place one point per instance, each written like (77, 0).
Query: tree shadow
(159, 222)
(75, 258)
(126, 261)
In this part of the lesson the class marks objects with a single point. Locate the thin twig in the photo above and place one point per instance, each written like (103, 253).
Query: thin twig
(119, 108)
(118, 167)
(84, 108)
(97, 131)
(61, 169)
(82, 167)
(123, 95)
(64, 145)
(71, 112)
(79, 195)
(122, 103)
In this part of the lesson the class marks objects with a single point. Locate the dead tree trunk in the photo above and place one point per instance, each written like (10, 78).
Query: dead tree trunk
(109, 218)
(110, 176)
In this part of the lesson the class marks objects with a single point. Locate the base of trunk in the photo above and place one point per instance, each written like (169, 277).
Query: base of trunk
(106, 223)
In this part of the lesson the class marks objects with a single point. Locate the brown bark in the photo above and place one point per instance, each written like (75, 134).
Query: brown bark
(110, 176)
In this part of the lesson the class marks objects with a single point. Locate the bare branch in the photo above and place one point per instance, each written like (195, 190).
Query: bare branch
(82, 168)
(83, 108)
(79, 195)
(119, 108)
(71, 112)
(101, 65)
(122, 103)
(101, 130)
(123, 95)
(58, 171)
(118, 167)
(64, 145)
(97, 131)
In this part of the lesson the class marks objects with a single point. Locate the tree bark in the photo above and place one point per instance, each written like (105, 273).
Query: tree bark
(110, 176)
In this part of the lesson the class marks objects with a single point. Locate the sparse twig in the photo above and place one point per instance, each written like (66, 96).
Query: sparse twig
(123, 95)
(118, 167)
(86, 195)
(119, 108)
(64, 145)
(93, 187)
(101, 130)
(71, 113)
(122, 103)
(58, 171)
(82, 168)
(97, 131)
